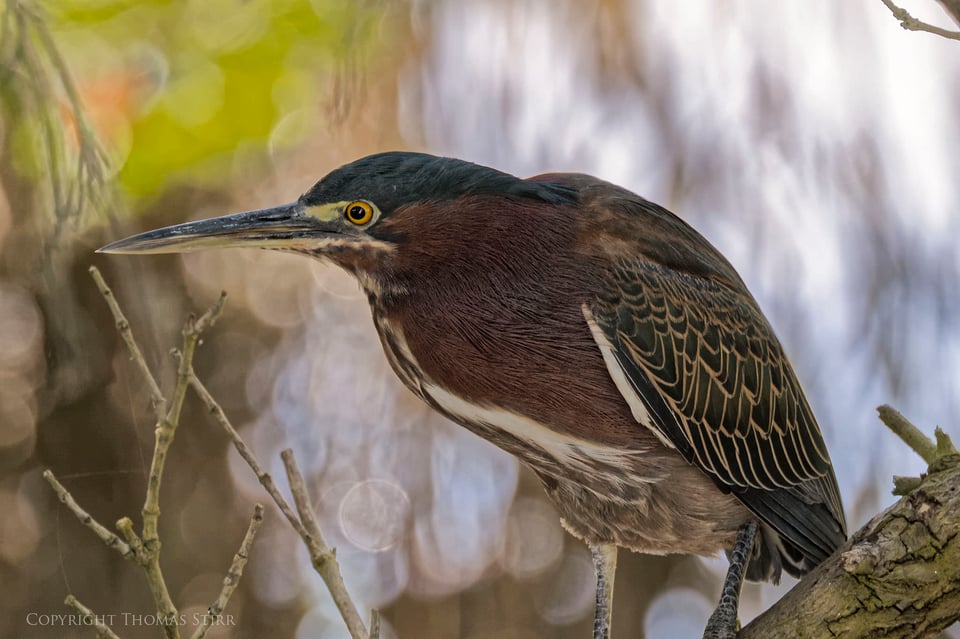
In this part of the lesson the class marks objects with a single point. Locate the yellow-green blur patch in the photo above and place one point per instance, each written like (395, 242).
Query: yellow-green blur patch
(181, 91)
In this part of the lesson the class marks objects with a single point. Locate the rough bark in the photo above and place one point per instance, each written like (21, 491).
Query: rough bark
(898, 576)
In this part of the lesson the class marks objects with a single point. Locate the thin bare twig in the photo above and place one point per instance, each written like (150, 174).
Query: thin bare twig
(234, 574)
(302, 500)
(263, 476)
(910, 23)
(103, 630)
(101, 531)
(323, 558)
(123, 327)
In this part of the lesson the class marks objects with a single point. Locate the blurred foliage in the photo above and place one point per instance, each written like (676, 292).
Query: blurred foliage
(38, 101)
(177, 88)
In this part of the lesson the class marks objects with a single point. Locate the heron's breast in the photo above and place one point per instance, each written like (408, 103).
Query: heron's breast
(536, 437)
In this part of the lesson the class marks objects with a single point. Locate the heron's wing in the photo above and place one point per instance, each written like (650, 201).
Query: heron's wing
(701, 367)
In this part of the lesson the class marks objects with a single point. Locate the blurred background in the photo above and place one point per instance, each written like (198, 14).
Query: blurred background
(815, 143)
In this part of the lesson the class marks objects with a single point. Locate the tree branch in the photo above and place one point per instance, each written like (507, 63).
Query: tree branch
(898, 576)
(910, 23)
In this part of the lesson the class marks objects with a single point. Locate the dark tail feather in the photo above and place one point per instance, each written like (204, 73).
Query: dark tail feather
(773, 554)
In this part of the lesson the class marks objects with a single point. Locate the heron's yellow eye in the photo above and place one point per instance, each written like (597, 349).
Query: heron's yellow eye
(359, 212)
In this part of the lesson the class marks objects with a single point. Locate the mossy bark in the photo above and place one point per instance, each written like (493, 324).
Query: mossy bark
(898, 576)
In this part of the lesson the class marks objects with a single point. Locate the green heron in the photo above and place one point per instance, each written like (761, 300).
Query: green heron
(590, 333)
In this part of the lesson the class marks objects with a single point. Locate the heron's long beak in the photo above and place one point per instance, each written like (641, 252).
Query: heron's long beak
(285, 226)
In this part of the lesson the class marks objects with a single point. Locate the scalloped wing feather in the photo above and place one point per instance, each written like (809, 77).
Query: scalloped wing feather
(714, 378)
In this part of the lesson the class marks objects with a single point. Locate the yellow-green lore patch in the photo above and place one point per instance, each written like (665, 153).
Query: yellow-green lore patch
(325, 212)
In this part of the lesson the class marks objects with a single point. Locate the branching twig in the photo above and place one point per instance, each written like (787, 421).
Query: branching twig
(148, 555)
(910, 23)
(144, 548)
(165, 432)
(323, 559)
(233, 574)
(103, 630)
(167, 427)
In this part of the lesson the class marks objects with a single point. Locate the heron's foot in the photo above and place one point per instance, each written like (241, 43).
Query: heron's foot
(723, 623)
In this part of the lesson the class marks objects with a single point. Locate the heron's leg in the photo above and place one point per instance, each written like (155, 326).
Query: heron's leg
(605, 562)
(723, 623)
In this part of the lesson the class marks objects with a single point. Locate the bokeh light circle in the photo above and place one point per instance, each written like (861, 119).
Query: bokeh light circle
(373, 514)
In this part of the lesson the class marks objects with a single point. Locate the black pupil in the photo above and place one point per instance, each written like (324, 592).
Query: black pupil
(357, 212)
